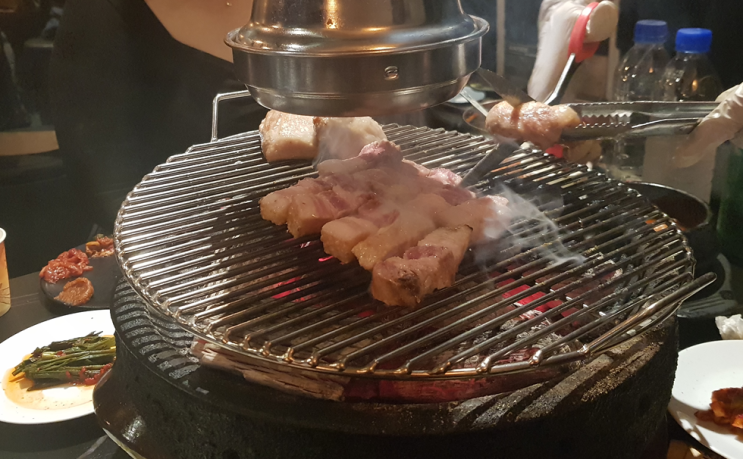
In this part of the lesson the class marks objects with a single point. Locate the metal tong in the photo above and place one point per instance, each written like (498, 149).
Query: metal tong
(603, 120)
(578, 51)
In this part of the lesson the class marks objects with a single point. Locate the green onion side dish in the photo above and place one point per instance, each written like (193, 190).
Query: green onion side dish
(81, 360)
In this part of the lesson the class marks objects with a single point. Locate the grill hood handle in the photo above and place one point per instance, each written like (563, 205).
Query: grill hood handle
(215, 108)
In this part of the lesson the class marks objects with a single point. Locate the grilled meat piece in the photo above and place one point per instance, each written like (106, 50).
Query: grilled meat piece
(429, 266)
(287, 136)
(377, 206)
(340, 236)
(308, 213)
(407, 229)
(275, 206)
(345, 185)
(535, 122)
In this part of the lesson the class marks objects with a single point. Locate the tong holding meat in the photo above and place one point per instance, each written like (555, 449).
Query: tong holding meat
(544, 125)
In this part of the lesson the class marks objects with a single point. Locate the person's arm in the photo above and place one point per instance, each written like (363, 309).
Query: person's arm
(556, 21)
(723, 124)
(202, 24)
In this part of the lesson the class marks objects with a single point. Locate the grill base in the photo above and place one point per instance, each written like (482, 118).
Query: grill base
(164, 405)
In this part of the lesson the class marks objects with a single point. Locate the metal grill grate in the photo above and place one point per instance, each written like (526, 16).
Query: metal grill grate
(191, 241)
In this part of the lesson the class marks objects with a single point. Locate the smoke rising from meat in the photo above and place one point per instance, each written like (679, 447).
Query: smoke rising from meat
(343, 138)
(530, 228)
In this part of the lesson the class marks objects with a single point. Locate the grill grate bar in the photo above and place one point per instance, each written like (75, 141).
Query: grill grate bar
(492, 309)
(524, 326)
(155, 200)
(667, 272)
(192, 243)
(305, 304)
(287, 264)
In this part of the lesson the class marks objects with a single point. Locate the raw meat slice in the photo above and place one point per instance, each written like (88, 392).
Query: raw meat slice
(535, 122)
(407, 229)
(275, 206)
(340, 236)
(429, 266)
(343, 138)
(287, 136)
(487, 216)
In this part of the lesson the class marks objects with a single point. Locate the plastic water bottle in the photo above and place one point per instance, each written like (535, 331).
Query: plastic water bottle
(638, 76)
(688, 77)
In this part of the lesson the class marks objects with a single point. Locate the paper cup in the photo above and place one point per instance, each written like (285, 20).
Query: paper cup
(4, 280)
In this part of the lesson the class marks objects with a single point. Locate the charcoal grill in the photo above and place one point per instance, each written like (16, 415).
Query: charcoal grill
(161, 403)
(191, 242)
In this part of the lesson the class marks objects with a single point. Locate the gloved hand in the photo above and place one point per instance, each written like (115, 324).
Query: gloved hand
(556, 21)
(723, 124)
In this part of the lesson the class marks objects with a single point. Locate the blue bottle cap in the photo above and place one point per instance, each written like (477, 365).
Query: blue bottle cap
(651, 31)
(693, 40)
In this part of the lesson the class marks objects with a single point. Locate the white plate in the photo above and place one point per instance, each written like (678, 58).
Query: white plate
(701, 370)
(23, 343)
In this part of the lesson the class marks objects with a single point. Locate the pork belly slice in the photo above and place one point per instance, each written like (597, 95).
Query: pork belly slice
(407, 229)
(430, 204)
(340, 236)
(287, 136)
(535, 122)
(309, 212)
(487, 216)
(444, 183)
(275, 206)
(343, 138)
(375, 154)
(379, 212)
(429, 266)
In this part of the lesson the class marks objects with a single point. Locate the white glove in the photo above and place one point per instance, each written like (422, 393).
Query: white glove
(556, 21)
(723, 124)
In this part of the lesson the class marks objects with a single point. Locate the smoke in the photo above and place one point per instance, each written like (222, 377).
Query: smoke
(530, 228)
(343, 138)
